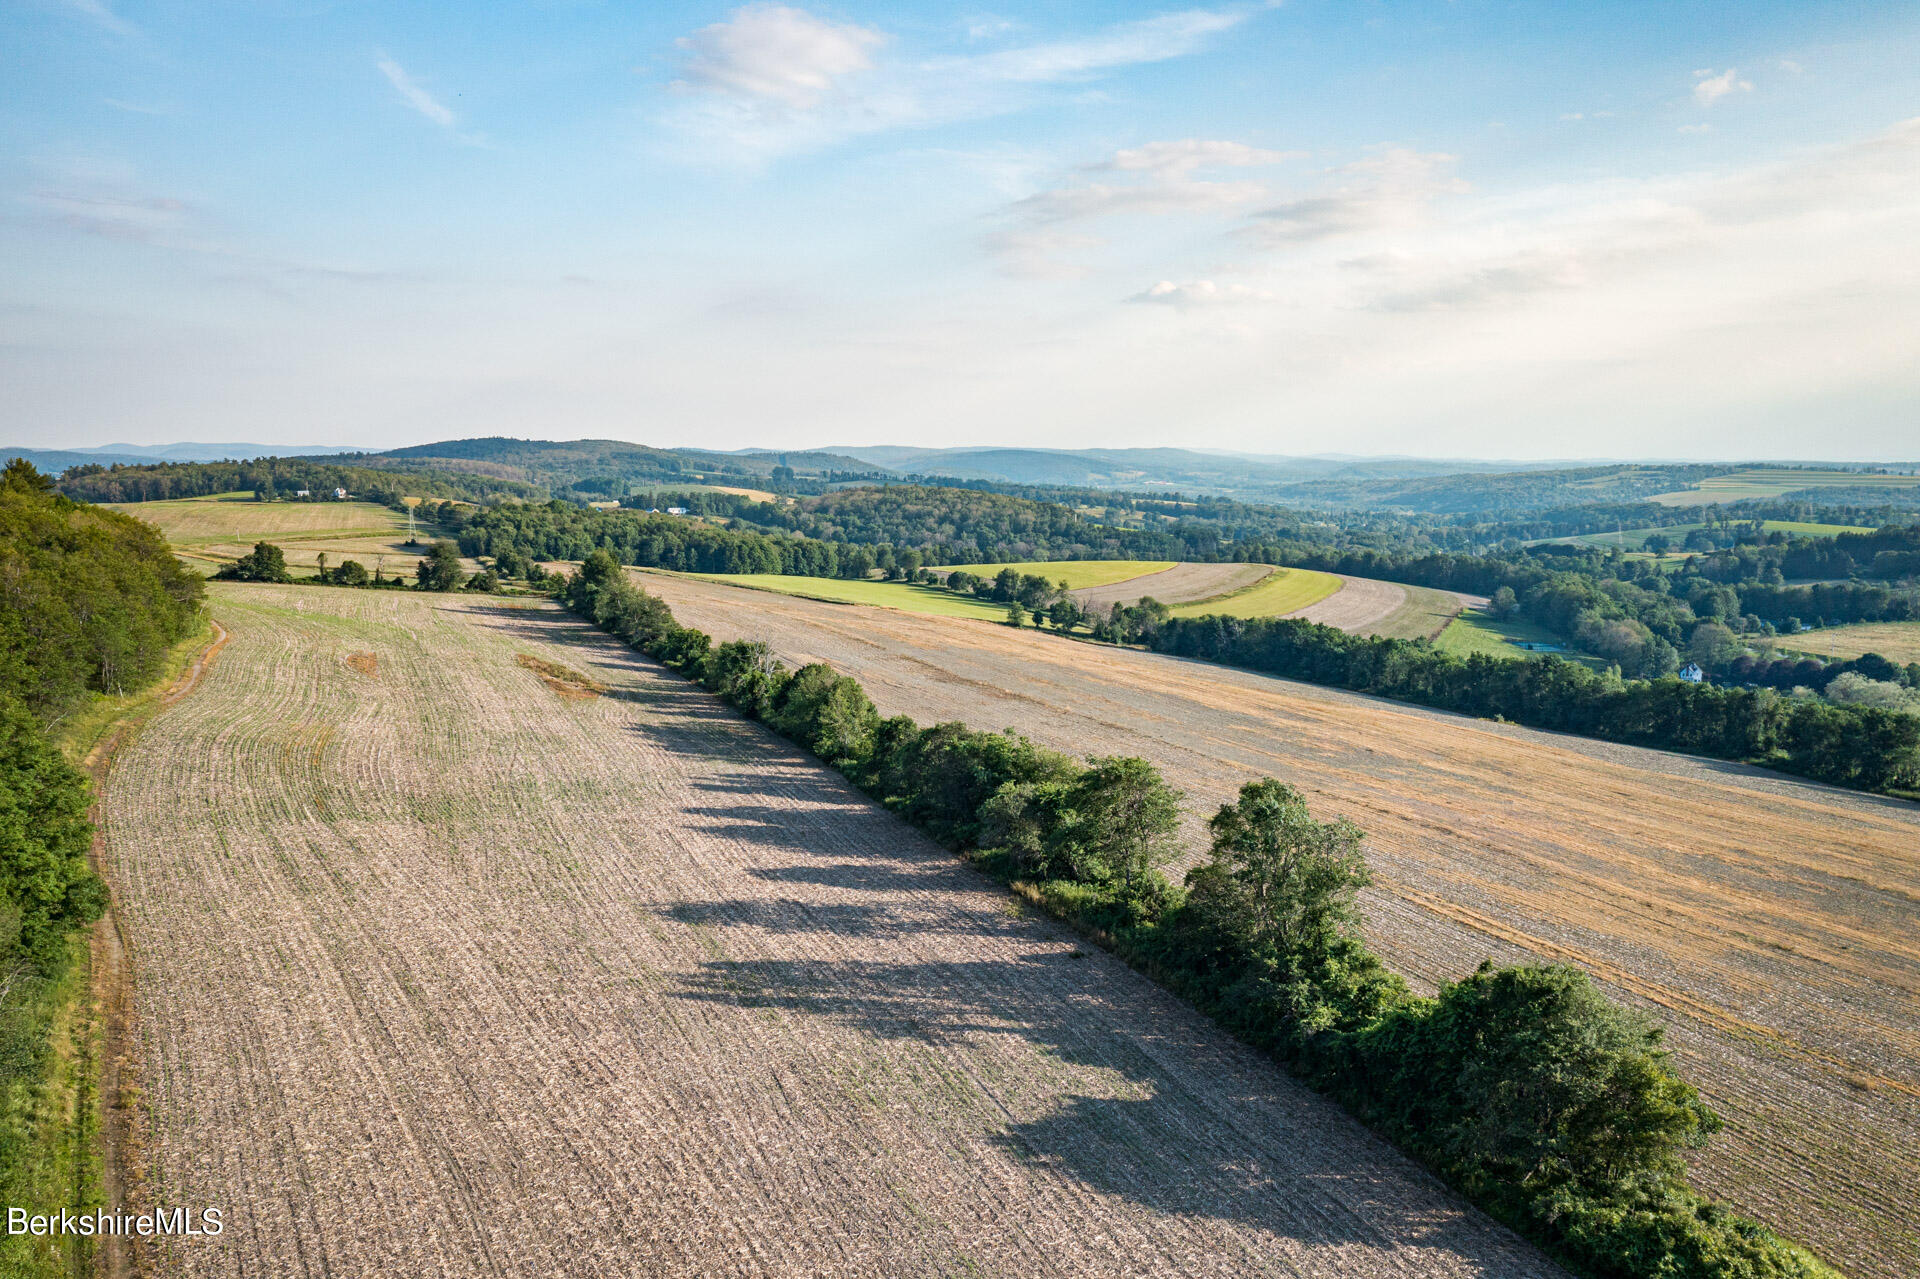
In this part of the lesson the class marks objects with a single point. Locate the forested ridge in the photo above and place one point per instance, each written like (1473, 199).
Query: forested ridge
(284, 476)
(91, 601)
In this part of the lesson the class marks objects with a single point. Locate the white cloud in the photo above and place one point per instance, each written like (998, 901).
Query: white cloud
(1181, 158)
(1709, 88)
(774, 80)
(114, 214)
(1791, 67)
(776, 53)
(413, 95)
(101, 16)
(1200, 293)
(1039, 254)
(1171, 35)
(1391, 189)
(1161, 179)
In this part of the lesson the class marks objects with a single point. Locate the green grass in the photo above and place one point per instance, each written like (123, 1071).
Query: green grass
(934, 600)
(1635, 539)
(1283, 591)
(49, 1114)
(1077, 574)
(1476, 632)
(1768, 481)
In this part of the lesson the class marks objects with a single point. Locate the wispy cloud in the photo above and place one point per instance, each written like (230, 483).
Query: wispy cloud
(101, 16)
(1709, 88)
(1157, 39)
(775, 53)
(414, 95)
(1391, 189)
(1161, 177)
(1200, 293)
(91, 204)
(773, 79)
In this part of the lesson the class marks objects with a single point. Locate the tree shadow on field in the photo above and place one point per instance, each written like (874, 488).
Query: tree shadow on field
(1210, 1132)
(787, 917)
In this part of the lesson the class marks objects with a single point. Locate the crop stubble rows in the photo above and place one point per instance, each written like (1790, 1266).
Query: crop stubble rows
(440, 972)
(1769, 923)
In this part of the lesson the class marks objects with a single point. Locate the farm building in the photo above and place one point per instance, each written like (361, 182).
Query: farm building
(1692, 673)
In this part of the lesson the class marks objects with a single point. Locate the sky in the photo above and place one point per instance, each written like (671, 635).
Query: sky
(1325, 226)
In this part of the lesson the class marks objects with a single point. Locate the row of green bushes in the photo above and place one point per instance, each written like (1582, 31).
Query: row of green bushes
(1525, 1088)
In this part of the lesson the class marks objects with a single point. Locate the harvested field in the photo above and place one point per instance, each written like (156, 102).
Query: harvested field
(1280, 592)
(233, 517)
(1895, 641)
(1360, 601)
(912, 596)
(1769, 923)
(1423, 613)
(1181, 584)
(1077, 574)
(440, 974)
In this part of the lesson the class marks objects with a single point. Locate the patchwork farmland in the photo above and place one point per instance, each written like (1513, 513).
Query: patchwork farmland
(465, 940)
(1767, 922)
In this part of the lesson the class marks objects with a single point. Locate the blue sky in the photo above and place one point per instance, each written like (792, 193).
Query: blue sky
(1456, 229)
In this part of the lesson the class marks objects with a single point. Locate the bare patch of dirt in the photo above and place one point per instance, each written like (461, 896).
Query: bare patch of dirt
(563, 680)
(367, 664)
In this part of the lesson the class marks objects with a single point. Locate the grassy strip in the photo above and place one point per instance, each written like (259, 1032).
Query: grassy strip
(51, 1031)
(1285, 590)
(50, 1052)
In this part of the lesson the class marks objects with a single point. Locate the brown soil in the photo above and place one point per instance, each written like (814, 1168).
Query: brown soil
(563, 680)
(367, 664)
(1181, 584)
(508, 984)
(123, 1128)
(1769, 923)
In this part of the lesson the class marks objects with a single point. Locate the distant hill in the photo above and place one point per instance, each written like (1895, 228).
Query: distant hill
(54, 461)
(607, 466)
(1435, 485)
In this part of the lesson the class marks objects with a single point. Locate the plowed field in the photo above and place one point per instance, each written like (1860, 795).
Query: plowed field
(467, 942)
(1772, 925)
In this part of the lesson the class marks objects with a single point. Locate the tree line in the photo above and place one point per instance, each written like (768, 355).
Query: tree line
(1525, 1088)
(281, 477)
(91, 602)
(1861, 747)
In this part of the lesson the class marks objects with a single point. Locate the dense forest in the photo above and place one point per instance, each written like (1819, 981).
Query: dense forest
(272, 477)
(91, 601)
(1525, 1088)
(847, 533)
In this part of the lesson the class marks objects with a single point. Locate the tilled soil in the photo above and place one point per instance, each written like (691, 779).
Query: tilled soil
(1772, 925)
(1357, 605)
(1181, 584)
(442, 972)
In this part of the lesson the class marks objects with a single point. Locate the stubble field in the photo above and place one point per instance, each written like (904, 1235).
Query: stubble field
(466, 941)
(1769, 924)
